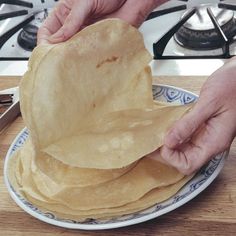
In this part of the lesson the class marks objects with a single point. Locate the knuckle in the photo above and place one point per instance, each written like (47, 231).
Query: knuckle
(177, 134)
(63, 8)
(62, 12)
(182, 129)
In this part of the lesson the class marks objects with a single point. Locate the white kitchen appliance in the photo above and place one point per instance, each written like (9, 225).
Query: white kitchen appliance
(192, 37)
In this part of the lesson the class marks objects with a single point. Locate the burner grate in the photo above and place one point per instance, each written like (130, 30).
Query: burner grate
(160, 45)
(13, 30)
(32, 10)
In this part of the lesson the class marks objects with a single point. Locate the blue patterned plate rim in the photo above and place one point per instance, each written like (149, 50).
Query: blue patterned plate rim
(194, 187)
(175, 88)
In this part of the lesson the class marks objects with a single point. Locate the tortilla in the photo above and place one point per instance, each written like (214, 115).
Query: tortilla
(146, 175)
(152, 197)
(100, 71)
(60, 175)
(93, 127)
(117, 139)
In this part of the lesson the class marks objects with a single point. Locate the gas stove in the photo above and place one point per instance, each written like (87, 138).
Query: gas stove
(183, 36)
(19, 22)
(192, 37)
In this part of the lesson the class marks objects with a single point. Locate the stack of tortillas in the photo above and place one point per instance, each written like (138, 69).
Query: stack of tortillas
(88, 106)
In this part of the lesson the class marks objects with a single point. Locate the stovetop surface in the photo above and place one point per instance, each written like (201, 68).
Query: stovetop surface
(152, 30)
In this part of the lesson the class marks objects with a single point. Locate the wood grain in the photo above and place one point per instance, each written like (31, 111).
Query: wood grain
(8, 81)
(213, 212)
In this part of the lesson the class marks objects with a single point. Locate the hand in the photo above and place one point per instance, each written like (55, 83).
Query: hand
(209, 128)
(70, 16)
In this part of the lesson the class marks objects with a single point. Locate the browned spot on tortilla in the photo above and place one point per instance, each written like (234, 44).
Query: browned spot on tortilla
(108, 60)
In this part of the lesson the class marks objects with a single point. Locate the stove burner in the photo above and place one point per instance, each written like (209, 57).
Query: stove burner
(199, 32)
(27, 38)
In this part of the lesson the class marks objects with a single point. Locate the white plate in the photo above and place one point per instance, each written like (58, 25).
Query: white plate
(195, 186)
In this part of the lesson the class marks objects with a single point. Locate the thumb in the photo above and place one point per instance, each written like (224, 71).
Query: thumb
(74, 21)
(184, 128)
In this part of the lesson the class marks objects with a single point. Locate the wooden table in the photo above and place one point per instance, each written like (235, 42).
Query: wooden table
(213, 212)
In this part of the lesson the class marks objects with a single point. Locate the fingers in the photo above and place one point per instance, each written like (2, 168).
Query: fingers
(43, 35)
(140, 11)
(212, 139)
(176, 159)
(64, 21)
(70, 16)
(73, 22)
(50, 26)
(187, 161)
(184, 128)
(217, 135)
(208, 128)
(53, 22)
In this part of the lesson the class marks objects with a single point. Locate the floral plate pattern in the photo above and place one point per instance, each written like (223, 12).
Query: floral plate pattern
(195, 186)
